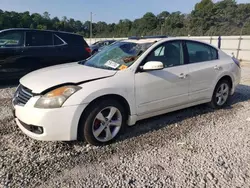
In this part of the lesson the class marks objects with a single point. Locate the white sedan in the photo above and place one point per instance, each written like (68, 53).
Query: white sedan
(95, 99)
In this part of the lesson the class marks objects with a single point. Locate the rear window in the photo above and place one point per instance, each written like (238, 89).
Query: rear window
(74, 40)
(35, 38)
(57, 40)
(199, 52)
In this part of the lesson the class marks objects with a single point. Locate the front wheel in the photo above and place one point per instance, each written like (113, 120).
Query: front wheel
(221, 94)
(102, 123)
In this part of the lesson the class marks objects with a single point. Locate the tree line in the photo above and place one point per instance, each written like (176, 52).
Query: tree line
(225, 17)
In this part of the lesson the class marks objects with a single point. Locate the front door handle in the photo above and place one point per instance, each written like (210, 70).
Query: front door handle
(183, 76)
(216, 67)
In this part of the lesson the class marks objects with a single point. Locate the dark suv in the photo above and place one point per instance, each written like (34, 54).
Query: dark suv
(25, 50)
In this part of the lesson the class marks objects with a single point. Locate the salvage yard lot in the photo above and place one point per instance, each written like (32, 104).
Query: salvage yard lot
(195, 147)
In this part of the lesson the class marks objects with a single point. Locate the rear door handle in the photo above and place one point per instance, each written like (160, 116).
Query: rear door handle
(183, 76)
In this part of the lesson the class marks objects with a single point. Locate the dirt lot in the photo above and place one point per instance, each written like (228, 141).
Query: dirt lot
(195, 147)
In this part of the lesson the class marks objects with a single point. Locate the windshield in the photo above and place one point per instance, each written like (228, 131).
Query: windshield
(117, 56)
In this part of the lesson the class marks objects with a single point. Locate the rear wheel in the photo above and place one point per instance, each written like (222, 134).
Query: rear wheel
(221, 94)
(102, 123)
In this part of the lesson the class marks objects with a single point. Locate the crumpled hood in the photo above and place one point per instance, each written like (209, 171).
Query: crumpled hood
(43, 79)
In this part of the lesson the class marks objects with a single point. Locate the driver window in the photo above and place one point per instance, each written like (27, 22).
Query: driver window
(12, 38)
(169, 53)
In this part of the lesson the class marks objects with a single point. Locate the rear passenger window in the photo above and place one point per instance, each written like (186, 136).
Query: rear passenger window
(57, 40)
(35, 38)
(199, 52)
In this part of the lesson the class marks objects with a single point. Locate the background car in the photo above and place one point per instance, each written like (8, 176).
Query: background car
(25, 50)
(148, 37)
(97, 45)
(129, 81)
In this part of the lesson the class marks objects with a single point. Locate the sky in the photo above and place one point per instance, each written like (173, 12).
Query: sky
(103, 10)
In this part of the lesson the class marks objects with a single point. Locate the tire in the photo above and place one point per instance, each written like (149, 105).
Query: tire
(217, 103)
(95, 125)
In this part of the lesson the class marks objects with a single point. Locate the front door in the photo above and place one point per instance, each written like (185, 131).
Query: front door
(161, 89)
(11, 46)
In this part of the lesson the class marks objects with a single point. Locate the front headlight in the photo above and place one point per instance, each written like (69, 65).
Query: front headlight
(56, 97)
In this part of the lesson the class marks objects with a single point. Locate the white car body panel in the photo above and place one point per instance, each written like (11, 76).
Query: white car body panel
(147, 93)
(41, 80)
(58, 124)
(202, 76)
(156, 90)
(123, 86)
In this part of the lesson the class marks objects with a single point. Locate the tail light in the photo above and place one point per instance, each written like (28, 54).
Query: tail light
(88, 50)
(236, 61)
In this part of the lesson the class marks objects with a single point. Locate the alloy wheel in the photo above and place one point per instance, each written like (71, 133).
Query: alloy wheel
(222, 94)
(107, 124)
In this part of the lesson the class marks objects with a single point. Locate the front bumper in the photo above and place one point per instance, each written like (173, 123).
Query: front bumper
(59, 124)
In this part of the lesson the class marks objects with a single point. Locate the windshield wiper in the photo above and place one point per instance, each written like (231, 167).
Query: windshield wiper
(82, 62)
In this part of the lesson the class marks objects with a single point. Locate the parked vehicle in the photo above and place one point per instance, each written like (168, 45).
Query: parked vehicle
(100, 44)
(148, 37)
(101, 48)
(25, 50)
(95, 99)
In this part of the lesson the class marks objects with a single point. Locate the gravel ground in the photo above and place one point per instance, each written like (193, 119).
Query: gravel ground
(195, 147)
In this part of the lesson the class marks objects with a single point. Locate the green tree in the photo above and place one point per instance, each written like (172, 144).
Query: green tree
(202, 17)
(224, 17)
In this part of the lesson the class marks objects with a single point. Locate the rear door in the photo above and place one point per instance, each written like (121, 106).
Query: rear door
(204, 69)
(61, 49)
(39, 50)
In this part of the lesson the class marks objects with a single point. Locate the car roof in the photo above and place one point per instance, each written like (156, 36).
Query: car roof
(106, 40)
(188, 39)
(141, 41)
(148, 37)
(152, 40)
(28, 29)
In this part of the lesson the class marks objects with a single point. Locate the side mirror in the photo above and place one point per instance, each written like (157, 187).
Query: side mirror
(153, 65)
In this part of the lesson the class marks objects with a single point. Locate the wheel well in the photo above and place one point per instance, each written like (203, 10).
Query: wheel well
(229, 79)
(118, 98)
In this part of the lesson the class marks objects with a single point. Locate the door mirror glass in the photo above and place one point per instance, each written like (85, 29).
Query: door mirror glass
(153, 65)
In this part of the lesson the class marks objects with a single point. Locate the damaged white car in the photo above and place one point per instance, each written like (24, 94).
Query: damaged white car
(95, 99)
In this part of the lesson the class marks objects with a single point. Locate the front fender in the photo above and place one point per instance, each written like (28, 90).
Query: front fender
(95, 89)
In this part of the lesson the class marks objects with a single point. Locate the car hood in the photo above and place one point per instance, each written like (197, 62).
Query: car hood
(43, 79)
